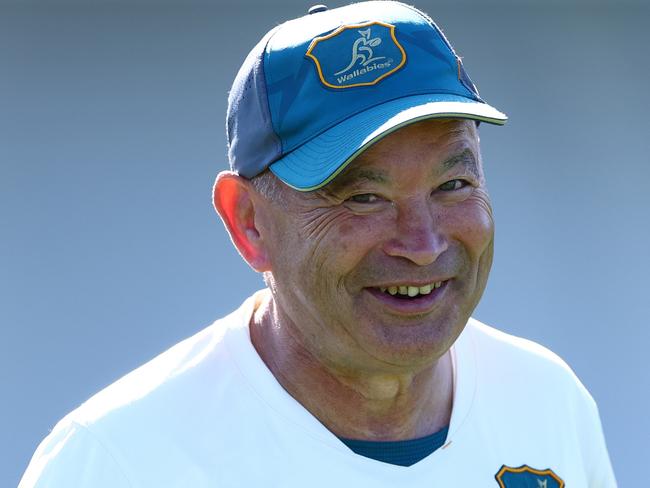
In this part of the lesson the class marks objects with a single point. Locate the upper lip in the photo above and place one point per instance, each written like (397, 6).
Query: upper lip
(407, 282)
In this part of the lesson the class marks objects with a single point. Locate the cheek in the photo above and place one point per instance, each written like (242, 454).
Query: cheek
(341, 235)
(346, 230)
(358, 235)
(474, 224)
(318, 249)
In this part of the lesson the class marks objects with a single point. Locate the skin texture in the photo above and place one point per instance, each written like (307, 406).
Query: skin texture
(411, 209)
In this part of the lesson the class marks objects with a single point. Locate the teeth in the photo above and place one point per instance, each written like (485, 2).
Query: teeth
(412, 291)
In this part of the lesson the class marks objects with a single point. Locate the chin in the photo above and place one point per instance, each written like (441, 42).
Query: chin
(415, 345)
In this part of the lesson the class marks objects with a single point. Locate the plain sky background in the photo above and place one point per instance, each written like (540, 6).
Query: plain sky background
(112, 130)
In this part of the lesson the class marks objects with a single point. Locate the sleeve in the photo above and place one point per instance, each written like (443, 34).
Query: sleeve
(72, 457)
(596, 460)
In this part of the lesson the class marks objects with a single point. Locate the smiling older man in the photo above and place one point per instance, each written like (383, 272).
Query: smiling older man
(357, 189)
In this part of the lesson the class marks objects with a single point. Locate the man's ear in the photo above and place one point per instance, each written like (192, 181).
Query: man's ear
(233, 200)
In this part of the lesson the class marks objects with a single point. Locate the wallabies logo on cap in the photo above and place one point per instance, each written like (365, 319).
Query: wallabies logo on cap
(527, 477)
(357, 55)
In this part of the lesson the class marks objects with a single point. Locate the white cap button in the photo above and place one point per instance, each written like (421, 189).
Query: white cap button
(317, 8)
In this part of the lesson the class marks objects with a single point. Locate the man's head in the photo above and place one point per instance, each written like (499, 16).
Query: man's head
(409, 215)
(375, 231)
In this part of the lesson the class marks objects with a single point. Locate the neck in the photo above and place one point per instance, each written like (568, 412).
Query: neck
(358, 404)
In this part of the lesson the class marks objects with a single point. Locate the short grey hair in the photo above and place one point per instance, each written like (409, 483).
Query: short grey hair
(269, 186)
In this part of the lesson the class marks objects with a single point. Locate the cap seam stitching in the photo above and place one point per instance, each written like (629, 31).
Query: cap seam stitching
(430, 21)
(265, 56)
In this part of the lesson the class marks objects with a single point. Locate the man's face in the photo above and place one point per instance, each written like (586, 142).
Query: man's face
(410, 214)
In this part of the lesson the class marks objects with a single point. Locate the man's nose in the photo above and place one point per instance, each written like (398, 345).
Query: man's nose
(417, 237)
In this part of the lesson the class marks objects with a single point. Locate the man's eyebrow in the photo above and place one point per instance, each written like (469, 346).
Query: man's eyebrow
(358, 175)
(466, 158)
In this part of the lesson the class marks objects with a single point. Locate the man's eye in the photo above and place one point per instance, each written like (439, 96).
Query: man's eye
(364, 198)
(453, 185)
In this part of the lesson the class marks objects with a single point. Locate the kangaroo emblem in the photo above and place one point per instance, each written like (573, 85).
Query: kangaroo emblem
(369, 51)
(362, 51)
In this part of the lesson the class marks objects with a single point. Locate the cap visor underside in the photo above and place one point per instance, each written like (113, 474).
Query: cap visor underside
(318, 161)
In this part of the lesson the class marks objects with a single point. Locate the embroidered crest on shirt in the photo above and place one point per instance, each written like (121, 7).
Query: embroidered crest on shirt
(527, 477)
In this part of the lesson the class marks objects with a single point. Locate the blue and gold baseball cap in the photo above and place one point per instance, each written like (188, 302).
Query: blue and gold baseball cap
(318, 90)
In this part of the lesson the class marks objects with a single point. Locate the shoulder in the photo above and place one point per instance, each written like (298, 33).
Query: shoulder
(127, 428)
(524, 387)
(173, 376)
(491, 339)
(513, 362)
(72, 456)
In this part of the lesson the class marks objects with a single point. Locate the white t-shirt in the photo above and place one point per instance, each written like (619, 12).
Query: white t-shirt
(209, 413)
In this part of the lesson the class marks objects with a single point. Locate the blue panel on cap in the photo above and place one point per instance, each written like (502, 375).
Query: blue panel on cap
(302, 104)
(252, 143)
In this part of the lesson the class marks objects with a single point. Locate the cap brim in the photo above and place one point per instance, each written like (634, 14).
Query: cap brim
(318, 161)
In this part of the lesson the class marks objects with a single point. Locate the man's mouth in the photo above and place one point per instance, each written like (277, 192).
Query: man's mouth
(410, 298)
(410, 290)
